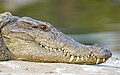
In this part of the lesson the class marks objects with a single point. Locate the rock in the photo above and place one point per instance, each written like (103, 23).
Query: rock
(111, 67)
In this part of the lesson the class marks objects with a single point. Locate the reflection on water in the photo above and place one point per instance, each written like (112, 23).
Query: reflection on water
(110, 40)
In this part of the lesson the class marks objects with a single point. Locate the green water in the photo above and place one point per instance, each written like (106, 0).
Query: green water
(110, 40)
(87, 21)
(76, 16)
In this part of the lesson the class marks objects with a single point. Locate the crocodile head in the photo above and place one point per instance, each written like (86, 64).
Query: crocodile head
(33, 40)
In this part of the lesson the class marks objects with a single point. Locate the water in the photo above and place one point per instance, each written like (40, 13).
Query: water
(111, 40)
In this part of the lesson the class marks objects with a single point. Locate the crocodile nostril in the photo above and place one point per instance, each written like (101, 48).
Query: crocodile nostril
(108, 53)
(106, 50)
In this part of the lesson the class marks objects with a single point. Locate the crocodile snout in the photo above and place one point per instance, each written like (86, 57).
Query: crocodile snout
(100, 53)
(108, 53)
(91, 54)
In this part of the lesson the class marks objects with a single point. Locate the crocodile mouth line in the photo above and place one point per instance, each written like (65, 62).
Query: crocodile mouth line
(73, 58)
(34, 40)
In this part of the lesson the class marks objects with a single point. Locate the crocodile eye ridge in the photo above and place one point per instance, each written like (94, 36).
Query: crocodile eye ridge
(35, 26)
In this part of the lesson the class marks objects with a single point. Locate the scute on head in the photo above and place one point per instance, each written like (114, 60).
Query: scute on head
(5, 14)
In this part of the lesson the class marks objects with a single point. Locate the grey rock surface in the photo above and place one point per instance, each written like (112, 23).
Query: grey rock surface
(111, 67)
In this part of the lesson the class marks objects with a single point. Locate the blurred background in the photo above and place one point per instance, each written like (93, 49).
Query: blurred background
(87, 21)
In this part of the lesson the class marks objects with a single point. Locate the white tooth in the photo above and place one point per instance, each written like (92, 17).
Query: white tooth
(81, 58)
(92, 54)
(59, 49)
(86, 58)
(67, 53)
(103, 60)
(41, 45)
(97, 61)
(46, 47)
(77, 59)
(50, 49)
(71, 58)
(54, 50)
(62, 48)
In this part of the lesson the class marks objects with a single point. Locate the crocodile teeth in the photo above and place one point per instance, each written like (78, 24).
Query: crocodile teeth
(71, 58)
(54, 50)
(41, 45)
(86, 58)
(50, 49)
(77, 59)
(92, 54)
(67, 53)
(97, 61)
(59, 49)
(103, 60)
(46, 47)
(81, 58)
(62, 48)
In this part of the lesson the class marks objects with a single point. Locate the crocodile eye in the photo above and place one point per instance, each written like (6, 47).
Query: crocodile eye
(44, 28)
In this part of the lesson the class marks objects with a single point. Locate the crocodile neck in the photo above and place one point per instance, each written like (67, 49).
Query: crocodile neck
(2, 44)
(5, 54)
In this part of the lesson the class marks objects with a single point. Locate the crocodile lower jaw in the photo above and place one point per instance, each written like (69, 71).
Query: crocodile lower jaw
(76, 59)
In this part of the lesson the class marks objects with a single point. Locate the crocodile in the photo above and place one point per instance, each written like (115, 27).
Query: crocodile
(27, 39)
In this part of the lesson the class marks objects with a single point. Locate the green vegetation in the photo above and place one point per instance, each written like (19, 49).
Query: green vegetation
(76, 16)
(2, 9)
